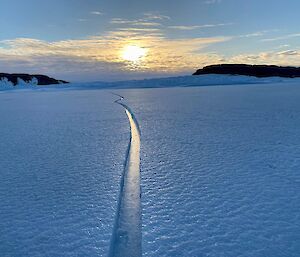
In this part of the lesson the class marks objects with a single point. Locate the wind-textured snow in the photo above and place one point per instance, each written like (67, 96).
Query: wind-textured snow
(61, 159)
(219, 170)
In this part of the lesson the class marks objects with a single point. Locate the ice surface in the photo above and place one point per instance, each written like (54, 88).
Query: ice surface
(183, 81)
(188, 81)
(126, 239)
(220, 170)
(61, 158)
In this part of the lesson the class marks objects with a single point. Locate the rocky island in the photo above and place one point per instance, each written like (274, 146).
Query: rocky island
(251, 70)
(27, 78)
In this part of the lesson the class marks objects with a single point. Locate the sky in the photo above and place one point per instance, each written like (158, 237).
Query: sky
(97, 40)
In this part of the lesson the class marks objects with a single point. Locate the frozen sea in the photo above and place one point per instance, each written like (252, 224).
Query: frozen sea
(61, 158)
(219, 170)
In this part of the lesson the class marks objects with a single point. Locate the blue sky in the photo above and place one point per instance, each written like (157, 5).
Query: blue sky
(82, 40)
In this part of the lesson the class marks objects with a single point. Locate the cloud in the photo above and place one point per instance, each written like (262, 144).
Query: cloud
(102, 55)
(281, 38)
(289, 53)
(140, 29)
(96, 13)
(254, 34)
(283, 46)
(122, 21)
(192, 27)
(139, 23)
(288, 57)
(212, 1)
(156, 16)
(146, 24)
(257, 33)
(147, 19)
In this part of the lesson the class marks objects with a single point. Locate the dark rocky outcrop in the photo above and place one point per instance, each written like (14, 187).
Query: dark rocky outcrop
(42, 79)
(251, 70)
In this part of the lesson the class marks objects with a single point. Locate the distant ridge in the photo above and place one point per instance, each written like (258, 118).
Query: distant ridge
(251, 70)
(41, 79)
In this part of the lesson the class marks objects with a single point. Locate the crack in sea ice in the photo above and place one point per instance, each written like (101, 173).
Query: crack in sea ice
(127, 236)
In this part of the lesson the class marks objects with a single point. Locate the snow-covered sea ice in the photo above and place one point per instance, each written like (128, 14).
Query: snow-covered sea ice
(219, 170)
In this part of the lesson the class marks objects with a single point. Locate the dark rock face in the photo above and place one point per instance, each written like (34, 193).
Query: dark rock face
(251, 70)
(42, 79)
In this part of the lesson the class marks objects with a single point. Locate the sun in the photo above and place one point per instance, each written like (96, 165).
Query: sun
(133, 53)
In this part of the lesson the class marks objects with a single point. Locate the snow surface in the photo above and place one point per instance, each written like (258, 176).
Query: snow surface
(219, 170)
(183, 81)
(188, 81)
(61, 159)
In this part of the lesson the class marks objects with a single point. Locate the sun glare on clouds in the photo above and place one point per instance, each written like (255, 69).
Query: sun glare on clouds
(133, 53)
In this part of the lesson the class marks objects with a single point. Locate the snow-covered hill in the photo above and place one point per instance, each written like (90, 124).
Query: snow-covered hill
(186, 81)
(183, 81)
